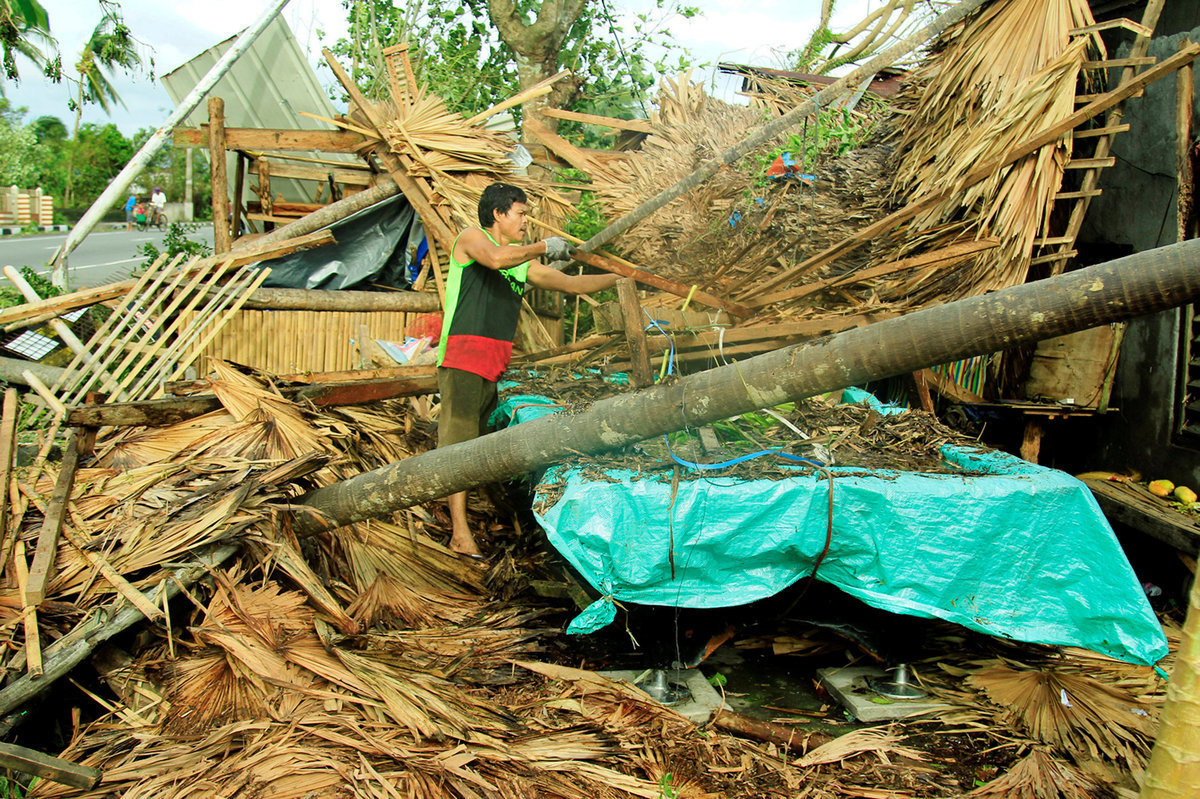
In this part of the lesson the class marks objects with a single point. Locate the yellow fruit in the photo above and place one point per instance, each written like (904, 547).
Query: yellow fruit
(1185, 495)
(1161, 488)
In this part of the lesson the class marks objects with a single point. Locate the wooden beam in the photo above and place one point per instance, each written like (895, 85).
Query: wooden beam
(29, 761)
(8, 446)
(559, 146)
(352, 177)
(635, 333)
(623, 268)
(1185, 209)
(33, 639)
(949, 389)
(220, 183)
(239, 183)
(42, 568)
(333, 141)
(636, 125)
(171, 410)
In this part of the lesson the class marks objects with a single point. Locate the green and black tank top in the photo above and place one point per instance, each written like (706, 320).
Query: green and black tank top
(482, 309)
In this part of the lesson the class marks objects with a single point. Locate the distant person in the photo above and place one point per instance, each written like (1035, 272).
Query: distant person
(158, 206)
(132, 201)
(489, 269)
(139, 214)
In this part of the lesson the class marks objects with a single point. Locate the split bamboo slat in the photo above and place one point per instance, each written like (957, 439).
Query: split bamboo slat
(296, 342)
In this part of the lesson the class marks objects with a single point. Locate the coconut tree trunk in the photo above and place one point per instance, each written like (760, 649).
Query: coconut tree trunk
(1139, 284)
(537, 45)
(1174, 768)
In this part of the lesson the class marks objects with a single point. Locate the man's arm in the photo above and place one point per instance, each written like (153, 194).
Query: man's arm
(474, 245)
(543, 277)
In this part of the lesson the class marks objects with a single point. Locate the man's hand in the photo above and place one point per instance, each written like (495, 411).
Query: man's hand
(558, 249)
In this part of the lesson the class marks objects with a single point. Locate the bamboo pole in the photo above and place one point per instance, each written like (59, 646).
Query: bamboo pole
(157, 140)
(1133, 286)
(220, 184)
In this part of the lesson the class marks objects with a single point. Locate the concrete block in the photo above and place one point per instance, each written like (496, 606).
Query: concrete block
(705, 700)
(849, 686)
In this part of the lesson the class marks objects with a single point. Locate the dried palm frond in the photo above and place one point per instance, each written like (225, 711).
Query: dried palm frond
(1040, 775)
(879, 741)
(1075, 712)
(141, 446)
(389, 603)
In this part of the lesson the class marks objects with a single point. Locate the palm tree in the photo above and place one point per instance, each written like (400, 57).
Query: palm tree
(25, 30)
(111, 46)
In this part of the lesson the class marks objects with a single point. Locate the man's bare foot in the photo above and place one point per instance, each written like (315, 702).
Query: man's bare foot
(465, 545)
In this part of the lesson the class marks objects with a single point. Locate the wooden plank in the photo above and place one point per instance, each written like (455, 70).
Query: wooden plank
(42, 568)
(636, 125)
(353, 177)
(1107, 130)
(1127, 24)
(578, 346)
(220, 182)
(949, 389)
(239, 183)
(1061, 255)
(33, 640)
(29, 761)
(1046, 136)
(334, 141)
(560, 146)
(361, 392)
(1090, 163)
(1075, 195)
(8, 447)
(1052, 241)
(1185, 209)
(42, 310)
(623, 268)
(1136, 507)
(1143, 61)
(635, 333)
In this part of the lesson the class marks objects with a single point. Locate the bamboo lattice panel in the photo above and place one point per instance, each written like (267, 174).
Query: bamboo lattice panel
(287, 342)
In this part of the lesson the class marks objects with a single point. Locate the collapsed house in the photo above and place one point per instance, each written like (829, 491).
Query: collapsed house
(287, 650)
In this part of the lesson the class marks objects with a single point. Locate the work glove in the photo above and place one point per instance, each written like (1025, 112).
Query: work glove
(558, 249)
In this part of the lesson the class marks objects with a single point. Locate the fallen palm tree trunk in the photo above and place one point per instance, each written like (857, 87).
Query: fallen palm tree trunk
(319, 300)
(1133, 286)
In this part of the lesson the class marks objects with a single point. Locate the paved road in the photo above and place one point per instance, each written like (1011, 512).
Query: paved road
(105, 256)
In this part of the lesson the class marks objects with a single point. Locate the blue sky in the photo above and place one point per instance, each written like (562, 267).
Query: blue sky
(172, 32)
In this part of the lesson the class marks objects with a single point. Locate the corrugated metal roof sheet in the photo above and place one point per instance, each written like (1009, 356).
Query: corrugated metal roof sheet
(266, 87)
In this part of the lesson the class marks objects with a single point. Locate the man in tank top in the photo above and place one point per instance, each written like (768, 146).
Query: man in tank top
(489, 269)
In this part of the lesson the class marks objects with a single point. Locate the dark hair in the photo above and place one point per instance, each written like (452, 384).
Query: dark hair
(498, 197)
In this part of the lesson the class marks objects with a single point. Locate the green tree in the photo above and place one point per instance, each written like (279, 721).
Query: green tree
(54, 148)
(110, 47)
(20, 155)
(25, 31)
(97, 154)
(478, 52)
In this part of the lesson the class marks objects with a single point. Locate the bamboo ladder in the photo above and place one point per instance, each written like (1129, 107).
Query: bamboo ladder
(1056, 250)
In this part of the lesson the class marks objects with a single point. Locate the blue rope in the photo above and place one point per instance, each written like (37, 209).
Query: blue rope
(739, 459)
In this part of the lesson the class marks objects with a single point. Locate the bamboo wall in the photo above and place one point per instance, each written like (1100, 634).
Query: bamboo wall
(287, 342)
